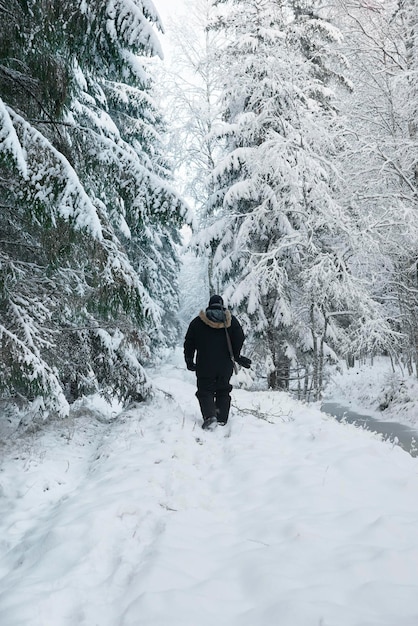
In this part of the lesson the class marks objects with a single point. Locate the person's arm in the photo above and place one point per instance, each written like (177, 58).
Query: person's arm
(190, 348)
(237, 337)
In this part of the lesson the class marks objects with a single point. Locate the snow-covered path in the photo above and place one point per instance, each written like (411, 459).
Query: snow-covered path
(150, 521)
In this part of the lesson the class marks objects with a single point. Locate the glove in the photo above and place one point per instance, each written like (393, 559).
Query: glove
(244, 361)
(191, 366)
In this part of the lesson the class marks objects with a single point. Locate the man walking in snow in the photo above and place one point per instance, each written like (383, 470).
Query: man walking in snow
(216, 337)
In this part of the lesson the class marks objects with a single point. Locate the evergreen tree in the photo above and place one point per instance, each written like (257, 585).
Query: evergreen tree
(134, 178)
(282, 242)
(88, 220)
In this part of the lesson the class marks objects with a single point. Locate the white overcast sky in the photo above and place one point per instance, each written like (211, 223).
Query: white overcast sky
(168, 8)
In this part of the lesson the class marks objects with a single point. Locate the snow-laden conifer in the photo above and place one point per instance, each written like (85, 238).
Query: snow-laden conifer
(89, 218)
(280, 237)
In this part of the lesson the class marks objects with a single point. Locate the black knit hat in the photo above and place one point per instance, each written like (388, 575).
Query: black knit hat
(215, 302)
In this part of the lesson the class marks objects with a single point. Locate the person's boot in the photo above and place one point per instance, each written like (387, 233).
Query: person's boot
(209, 423)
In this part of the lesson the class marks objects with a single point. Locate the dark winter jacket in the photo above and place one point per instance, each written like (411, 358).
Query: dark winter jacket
(206, 338)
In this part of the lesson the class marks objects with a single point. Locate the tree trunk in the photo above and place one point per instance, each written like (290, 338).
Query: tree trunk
(315, 356)
(278, 379)
(321, 360)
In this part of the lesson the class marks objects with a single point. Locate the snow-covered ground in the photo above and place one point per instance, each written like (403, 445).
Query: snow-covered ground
(283, 518)
(374, 387)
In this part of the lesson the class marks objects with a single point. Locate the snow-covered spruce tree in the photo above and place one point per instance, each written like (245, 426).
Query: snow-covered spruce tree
(116, 103)
(84, 200)
(282, 242)
(380, 159)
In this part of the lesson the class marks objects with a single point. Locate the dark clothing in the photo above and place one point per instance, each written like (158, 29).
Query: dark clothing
(213, 395)
(206, 339)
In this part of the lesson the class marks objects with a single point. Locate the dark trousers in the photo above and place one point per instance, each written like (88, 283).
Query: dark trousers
(213, 395)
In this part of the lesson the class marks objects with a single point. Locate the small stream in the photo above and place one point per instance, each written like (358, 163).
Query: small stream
(400, 434)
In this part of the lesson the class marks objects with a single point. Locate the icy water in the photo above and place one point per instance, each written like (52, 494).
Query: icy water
(400, 434)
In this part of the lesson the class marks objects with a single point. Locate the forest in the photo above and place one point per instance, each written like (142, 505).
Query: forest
(283, 133)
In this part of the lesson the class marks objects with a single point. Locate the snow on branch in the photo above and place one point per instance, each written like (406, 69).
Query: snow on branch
(127, 159)
(9, 141)
(50, 179)
(129, 21)
(233, 162)
(30, 367)
(241, 190)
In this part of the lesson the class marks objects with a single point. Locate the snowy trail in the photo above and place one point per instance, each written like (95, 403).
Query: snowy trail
(297, 521)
